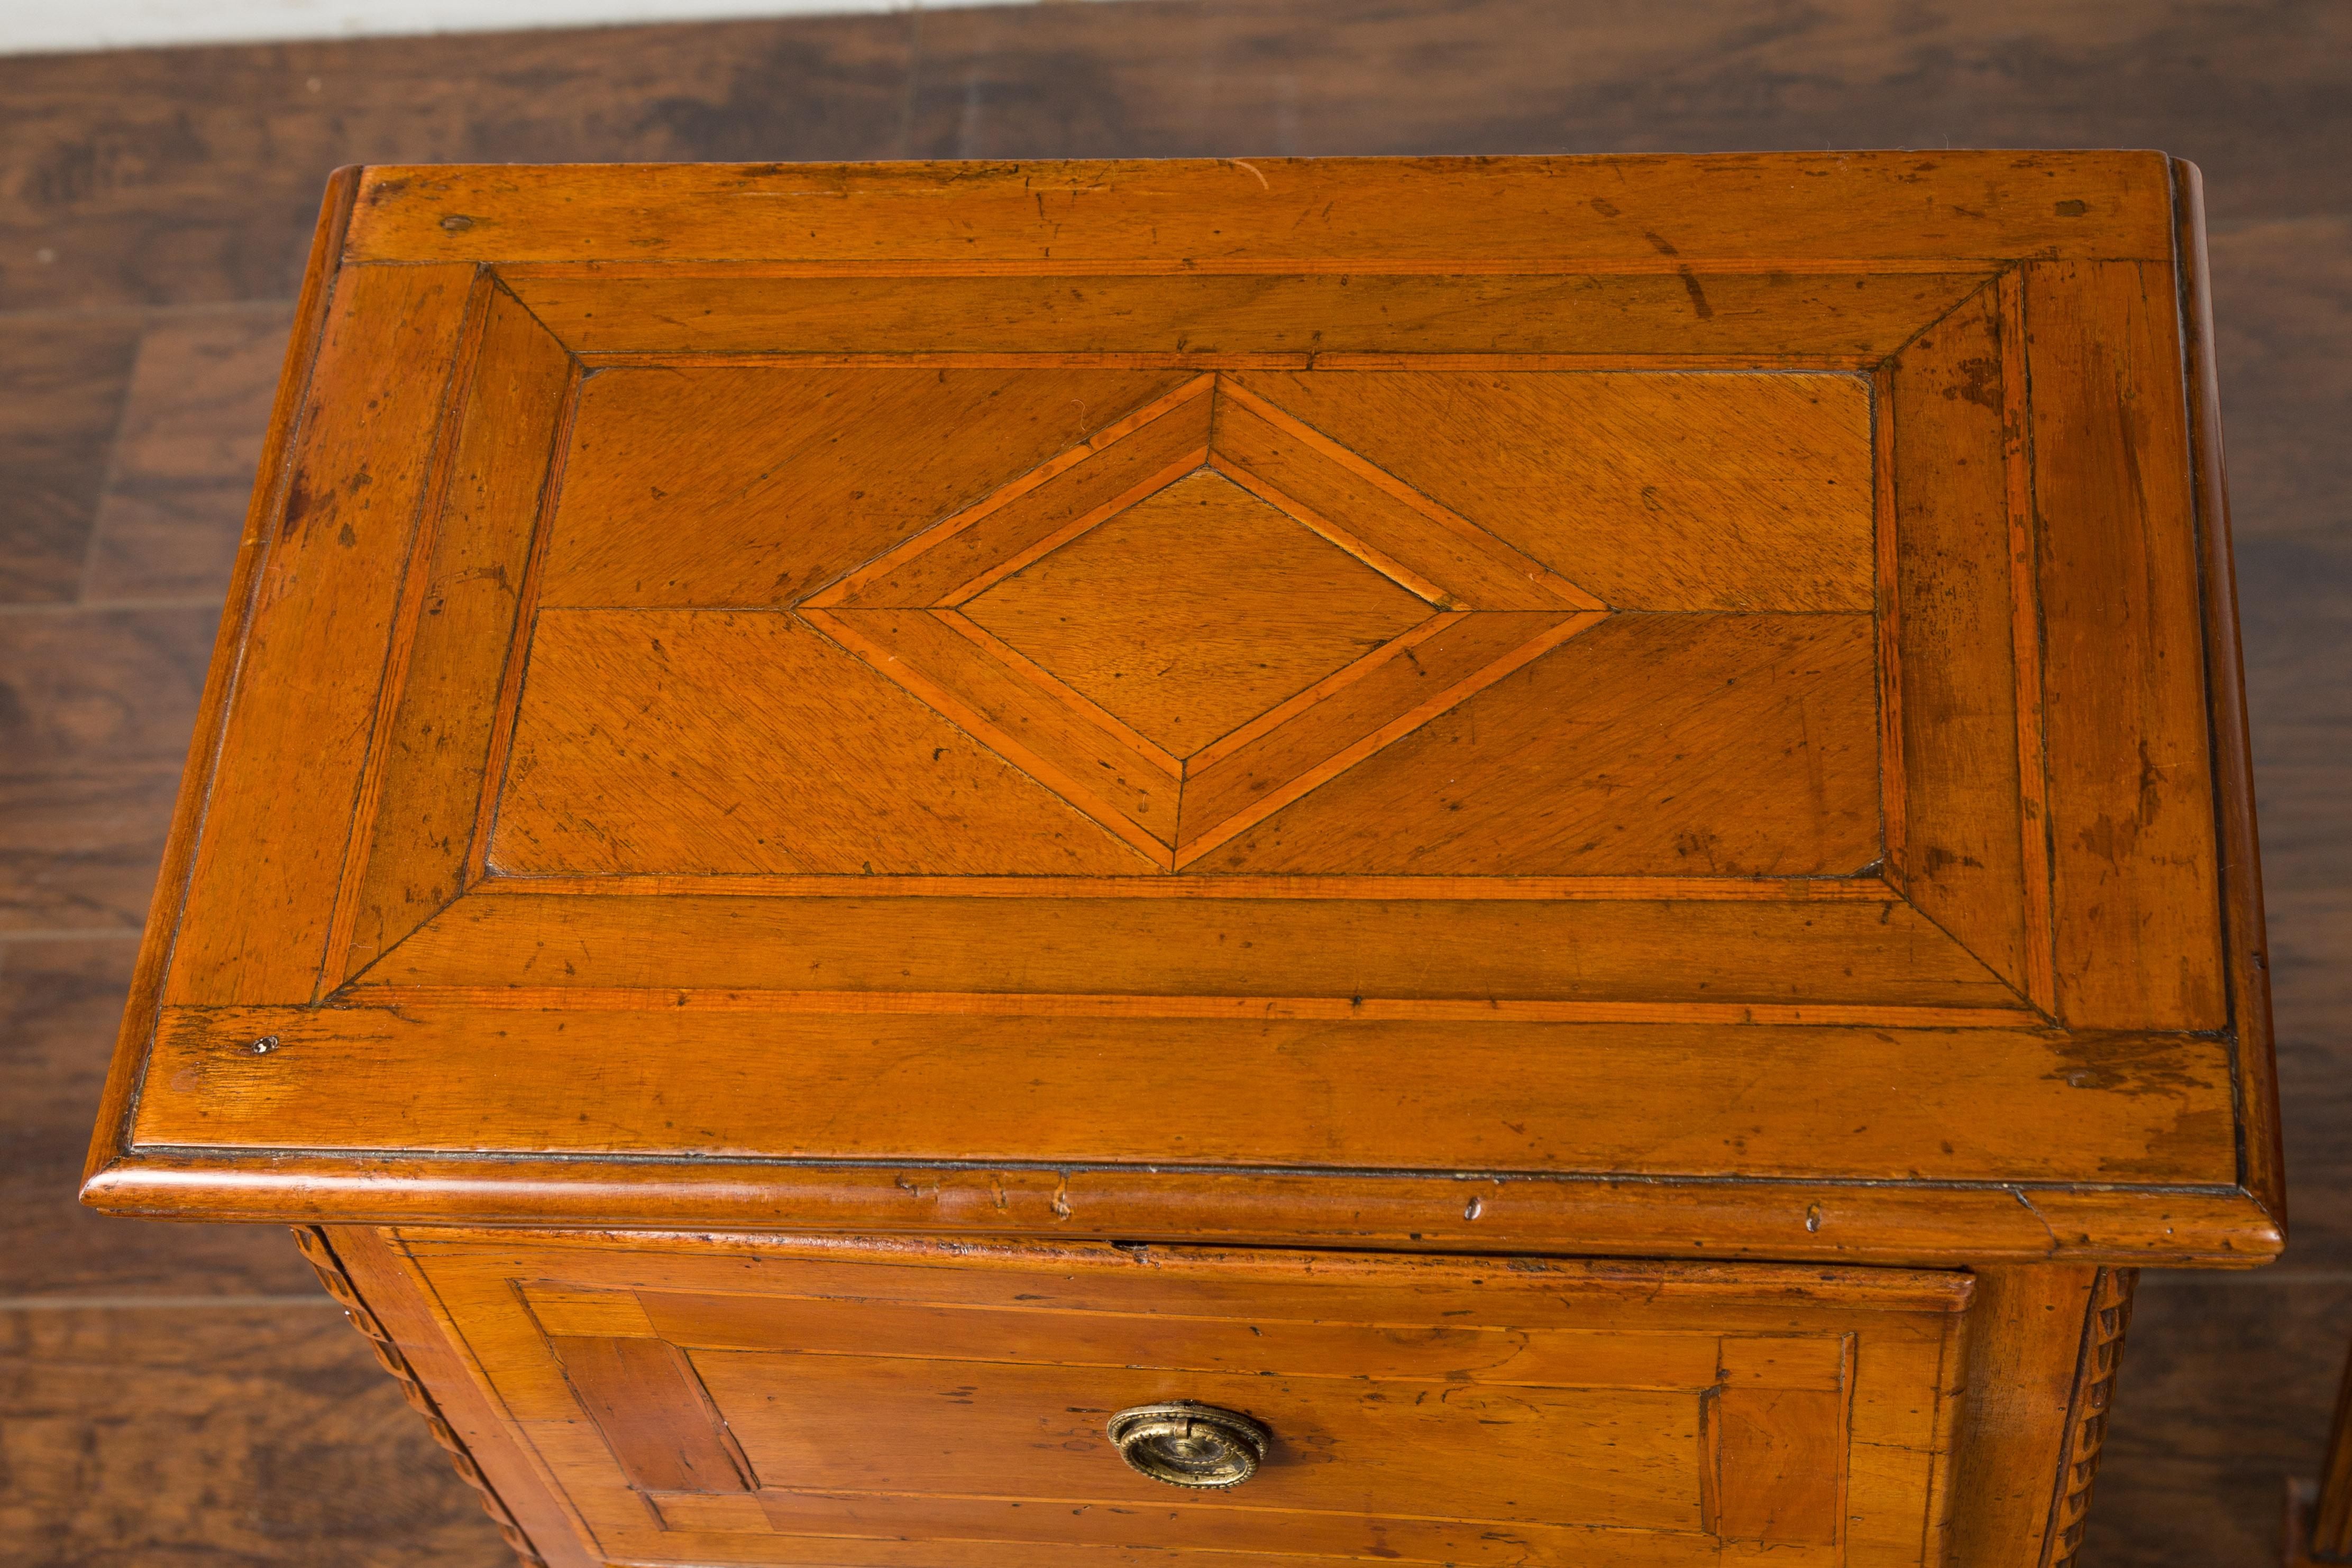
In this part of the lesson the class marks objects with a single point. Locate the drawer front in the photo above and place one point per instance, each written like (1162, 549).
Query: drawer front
(813, 1402)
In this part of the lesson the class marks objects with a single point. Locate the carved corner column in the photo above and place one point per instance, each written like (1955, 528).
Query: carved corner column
(2087, 1424)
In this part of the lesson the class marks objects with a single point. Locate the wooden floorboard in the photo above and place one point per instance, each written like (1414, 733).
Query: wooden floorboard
(2227, 1386)
(62, 380)
(166, 526)
(59, 1001)
(170, 1395)
(92, 737)
(184, 1436)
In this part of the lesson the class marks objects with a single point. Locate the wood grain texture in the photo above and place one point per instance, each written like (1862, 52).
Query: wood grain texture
(1822, 953)
(1650, 745)
(1123, 461)
(2262, 1153)
(336, 1281)
(184, 459)
(1372, 513)
(62, 383)
(1617, 1458)
(1649, 490)
(1087, 1278)
(2026, 1340)
(1170, 563)
(943, 690)
(638, 750)
(1970, 801)
(1047, 729)
(783, 492)
(412, 839)
(1298, 316)
(1229, 1009)
(1779, 1466)
(262, 892)
(965, 1529)
(1645, 214)
(261, 1434)
(1014, 1330)
(1788, 1102)
(148, 979)
(654, 1411)
(1254, 771)
(1828, 1222)
(60, 1001)
(506, 1479)
(1196, 610)
(1398, 1454)
(95, 711)
(2130, 781)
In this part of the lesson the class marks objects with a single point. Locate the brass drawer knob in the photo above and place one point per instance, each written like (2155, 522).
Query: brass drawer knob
(1189, 1445)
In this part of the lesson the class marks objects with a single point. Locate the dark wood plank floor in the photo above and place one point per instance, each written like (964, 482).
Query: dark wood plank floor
(182, 1396)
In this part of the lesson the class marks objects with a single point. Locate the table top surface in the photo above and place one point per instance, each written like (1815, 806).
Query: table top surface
(1647, 704)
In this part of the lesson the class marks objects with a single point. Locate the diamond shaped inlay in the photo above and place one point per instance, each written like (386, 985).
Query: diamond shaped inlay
(1196, 610)
(1202, 612)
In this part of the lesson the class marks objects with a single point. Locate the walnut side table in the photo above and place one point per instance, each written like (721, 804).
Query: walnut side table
(1242, 864)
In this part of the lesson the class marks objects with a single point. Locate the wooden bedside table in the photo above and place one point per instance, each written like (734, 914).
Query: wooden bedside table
(1515, 861)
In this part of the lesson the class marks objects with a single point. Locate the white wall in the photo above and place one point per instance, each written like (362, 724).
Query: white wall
(29, 27)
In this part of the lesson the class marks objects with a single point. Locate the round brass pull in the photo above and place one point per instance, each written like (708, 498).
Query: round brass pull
(1189, 1445)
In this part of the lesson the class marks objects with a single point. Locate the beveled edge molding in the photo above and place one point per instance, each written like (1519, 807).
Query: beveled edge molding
(1939, 1225)
(2262, 1154)
(317, 1251)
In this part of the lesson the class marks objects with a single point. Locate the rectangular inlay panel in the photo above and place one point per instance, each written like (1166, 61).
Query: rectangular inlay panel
(844, 1402)
(1213, 631)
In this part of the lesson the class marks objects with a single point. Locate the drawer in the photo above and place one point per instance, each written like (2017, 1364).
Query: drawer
(947, 1407)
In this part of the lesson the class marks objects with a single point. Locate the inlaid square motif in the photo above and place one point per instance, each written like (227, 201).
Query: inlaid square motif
(1198, 614)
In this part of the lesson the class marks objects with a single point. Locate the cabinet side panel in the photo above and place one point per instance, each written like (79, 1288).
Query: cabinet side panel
(395, 1297)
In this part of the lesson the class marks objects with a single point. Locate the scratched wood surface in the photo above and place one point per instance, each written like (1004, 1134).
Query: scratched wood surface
(1404, 635)
(180, 255)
